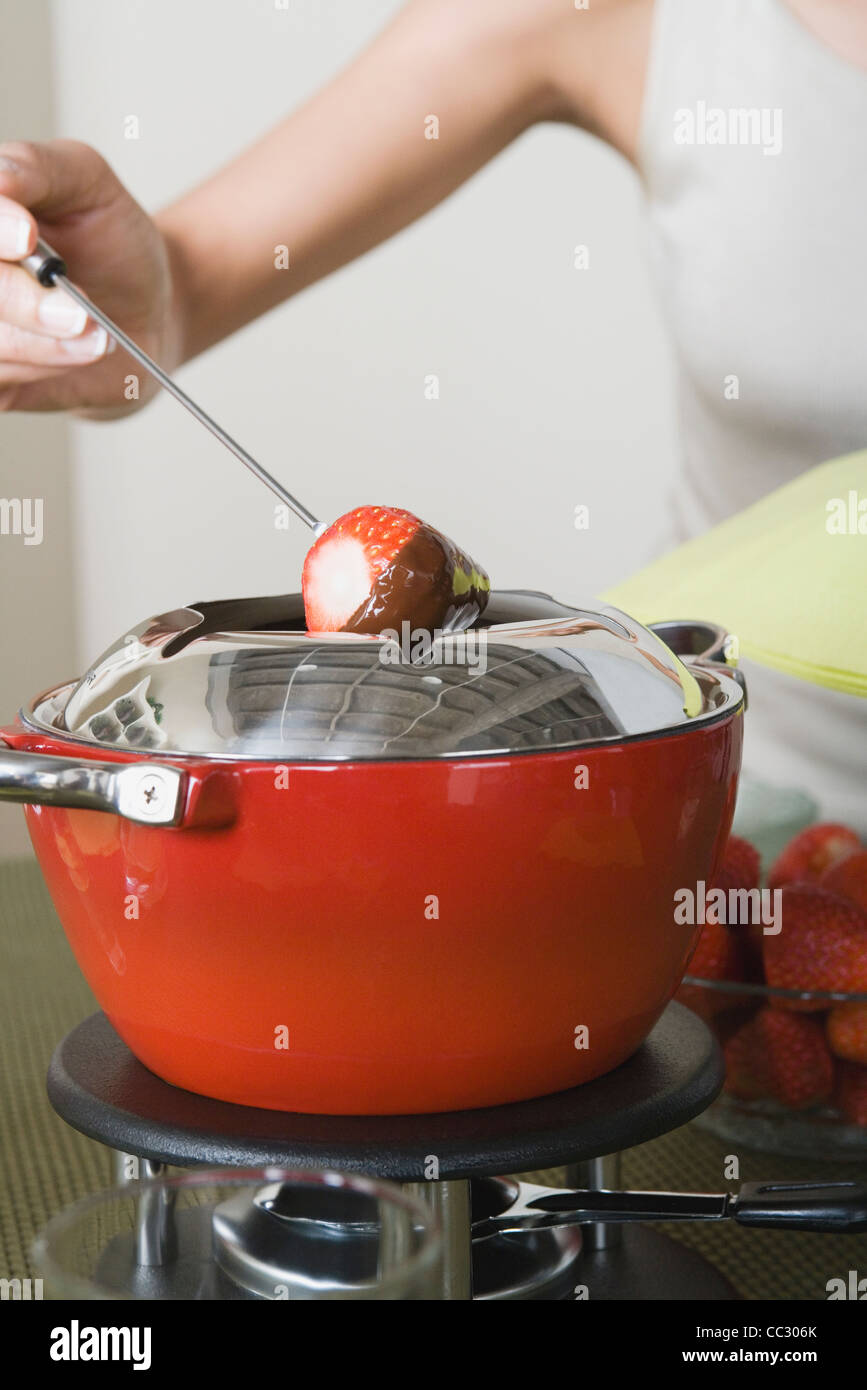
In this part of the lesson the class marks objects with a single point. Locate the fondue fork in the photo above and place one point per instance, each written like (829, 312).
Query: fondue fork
(809, 1206)
(49, 269)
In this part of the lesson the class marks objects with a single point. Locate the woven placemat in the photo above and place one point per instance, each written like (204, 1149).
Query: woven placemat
(44, 1164)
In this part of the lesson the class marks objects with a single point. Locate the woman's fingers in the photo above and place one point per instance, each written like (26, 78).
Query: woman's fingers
(21, 348)
(57, 178)
(13, 374)
(25, 304)
(51, 388)
(28, 306)
(17, 228)
(33, 388)
(51, 352)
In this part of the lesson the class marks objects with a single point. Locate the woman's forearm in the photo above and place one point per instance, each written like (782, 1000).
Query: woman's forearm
(359, 161)
(433, 98)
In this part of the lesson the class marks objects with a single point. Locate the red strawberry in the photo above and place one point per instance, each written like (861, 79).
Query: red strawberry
(732, 1019)
(717, 956)
(740, 869)
(848, 877)
(746, 1067)
(847, 1032)
(740, 865)
(377, 567)
(822, 945)
(850, 1092)
(809, 854)
(799, 1066)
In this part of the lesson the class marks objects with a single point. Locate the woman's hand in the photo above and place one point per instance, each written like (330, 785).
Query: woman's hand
(52, 357)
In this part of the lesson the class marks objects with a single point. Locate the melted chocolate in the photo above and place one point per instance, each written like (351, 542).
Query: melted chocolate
(430, 583)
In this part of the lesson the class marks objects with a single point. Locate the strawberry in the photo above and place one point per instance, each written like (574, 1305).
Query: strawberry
(847, 1032)
(717, 956)
(377, 567)
(740, 865)
(850, 1092)
(721, 954)
(809, 854)
(740, 869)
(799, 1067)
(848, 877)
(822, 945)
(746, 1068)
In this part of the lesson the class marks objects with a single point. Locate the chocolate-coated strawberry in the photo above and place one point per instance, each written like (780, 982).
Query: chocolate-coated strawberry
(378, 567)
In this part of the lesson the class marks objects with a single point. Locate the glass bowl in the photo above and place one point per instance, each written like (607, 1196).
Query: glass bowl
(268, 1233)
(765, 1122)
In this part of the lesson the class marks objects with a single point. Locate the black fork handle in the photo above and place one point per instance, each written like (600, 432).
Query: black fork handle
(807, 1206)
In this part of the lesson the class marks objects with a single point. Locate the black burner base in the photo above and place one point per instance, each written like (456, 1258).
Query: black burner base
(650, 1267)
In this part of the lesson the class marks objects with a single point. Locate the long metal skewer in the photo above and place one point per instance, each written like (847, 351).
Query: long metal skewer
(46, 266)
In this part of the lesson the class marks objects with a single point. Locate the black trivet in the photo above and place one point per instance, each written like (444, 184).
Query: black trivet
(98, 1087)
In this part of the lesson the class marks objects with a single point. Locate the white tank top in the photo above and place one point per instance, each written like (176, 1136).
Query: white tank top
(753, 154)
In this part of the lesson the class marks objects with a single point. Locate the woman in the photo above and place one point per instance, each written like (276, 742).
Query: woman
(745, 120)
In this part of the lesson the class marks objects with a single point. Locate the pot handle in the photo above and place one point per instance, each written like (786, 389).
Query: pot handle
(698, 641)
(149, 793)
(701, 644)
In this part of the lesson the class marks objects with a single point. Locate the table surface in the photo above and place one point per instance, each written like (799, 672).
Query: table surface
(46, 1164)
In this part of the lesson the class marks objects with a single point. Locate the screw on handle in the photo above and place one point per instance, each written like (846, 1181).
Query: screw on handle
(44, 264)
(809, 1206)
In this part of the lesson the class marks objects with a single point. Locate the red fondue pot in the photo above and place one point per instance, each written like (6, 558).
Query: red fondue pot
(328, 873)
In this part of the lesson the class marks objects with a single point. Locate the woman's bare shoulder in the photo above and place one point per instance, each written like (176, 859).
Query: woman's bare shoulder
(594, 54)
(577, 61)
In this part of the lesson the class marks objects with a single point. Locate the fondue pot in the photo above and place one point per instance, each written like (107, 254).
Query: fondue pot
(350, 874)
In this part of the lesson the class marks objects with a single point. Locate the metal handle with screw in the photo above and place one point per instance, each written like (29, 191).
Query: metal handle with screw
(49, 269)
(149, 793)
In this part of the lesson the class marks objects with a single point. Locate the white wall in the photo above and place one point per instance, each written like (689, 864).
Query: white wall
(554, 381)
(37, 615)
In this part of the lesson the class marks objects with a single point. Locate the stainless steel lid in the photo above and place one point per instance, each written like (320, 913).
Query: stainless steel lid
(243, 679)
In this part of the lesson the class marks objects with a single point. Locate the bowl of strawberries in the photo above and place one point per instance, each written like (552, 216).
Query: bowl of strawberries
(779, 972)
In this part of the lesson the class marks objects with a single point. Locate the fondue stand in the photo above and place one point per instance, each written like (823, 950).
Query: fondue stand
(98, 1087)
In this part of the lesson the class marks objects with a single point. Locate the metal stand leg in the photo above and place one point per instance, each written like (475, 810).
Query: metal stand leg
(154, 1225)
(598, 1175)
(450, 1202)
